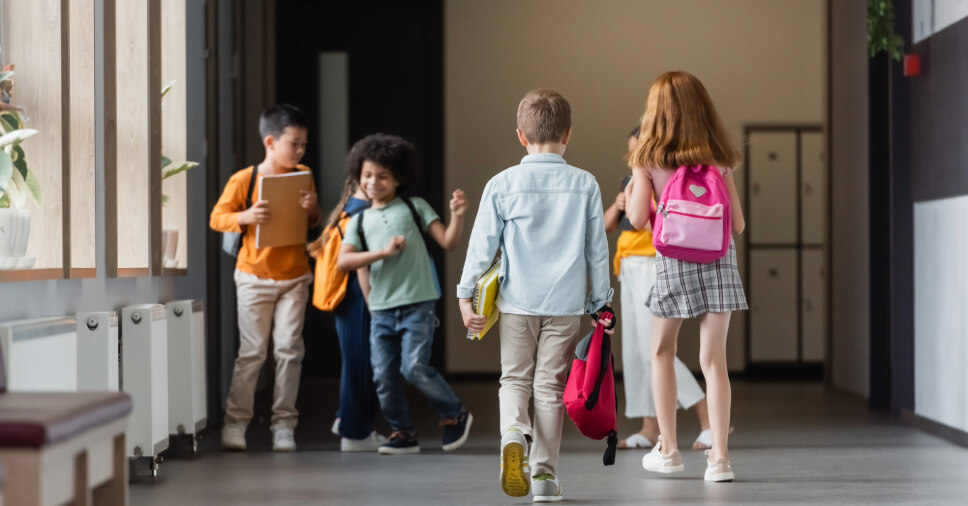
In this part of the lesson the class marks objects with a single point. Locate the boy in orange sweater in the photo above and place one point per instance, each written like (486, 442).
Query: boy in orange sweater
(272, 284)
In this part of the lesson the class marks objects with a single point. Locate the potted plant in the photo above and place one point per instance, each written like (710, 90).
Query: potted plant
(169, 235)
(17, 182)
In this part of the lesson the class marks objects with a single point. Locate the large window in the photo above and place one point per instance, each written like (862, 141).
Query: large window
(47, 169)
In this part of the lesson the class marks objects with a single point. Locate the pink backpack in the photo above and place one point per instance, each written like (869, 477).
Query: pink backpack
(590, 390)
(692, 220)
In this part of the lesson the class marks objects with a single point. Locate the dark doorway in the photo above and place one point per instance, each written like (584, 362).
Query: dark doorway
(393, 55)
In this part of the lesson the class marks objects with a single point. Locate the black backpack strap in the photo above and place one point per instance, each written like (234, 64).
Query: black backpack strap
(359, 232)
(606, 355)
(248, 194)
(414, 214)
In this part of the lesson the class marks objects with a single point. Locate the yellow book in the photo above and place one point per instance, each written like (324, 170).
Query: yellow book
(485, 299)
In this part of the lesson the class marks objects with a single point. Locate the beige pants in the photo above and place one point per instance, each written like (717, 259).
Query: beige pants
(536, 353)
(268, 306)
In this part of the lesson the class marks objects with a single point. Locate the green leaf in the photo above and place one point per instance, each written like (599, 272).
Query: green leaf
(34, 186)
(6, 169)
(4, 201)
(10, 121)
(17, 136)
(19, 160)
(165, 161)
(16, 190)
(167, 88)
(164, 199)
(179, 169)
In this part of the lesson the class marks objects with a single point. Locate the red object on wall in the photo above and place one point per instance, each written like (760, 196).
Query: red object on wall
(912, 65)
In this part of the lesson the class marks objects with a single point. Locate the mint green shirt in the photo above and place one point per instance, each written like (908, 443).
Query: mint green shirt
(404, 278)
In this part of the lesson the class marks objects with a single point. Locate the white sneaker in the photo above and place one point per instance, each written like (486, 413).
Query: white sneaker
(720, 470)
(335, 428)
(370, 443)
(659, 462)
(233, 436)
(546, 488)
(282, 438)
(515, 472)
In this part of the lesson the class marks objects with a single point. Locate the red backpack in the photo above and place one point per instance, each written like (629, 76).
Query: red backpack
(590, 390)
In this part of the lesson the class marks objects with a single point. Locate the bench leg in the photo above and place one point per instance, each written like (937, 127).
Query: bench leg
(23, 477)
(115, 491)
(82, 495)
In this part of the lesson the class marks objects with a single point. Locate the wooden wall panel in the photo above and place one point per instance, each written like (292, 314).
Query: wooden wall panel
(82, 143)
(133, 136)
(174, 121)
(31, 40)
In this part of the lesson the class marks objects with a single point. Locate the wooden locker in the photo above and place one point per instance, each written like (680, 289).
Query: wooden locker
(813, 188)
(773, 185)
(773, 305)
(813, 306)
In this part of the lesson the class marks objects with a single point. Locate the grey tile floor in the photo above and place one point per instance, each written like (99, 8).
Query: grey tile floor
(794, 444)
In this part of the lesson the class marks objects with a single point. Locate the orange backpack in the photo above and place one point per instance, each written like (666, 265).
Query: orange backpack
(330, 284)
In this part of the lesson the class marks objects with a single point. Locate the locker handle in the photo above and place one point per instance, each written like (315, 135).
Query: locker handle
(807, 189)
(807, 305)
(756, 188)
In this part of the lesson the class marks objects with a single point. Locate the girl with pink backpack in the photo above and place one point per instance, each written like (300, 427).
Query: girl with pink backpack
(684, 159)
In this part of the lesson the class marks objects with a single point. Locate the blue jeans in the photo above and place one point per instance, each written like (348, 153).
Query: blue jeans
(400, 342)
(357, 395)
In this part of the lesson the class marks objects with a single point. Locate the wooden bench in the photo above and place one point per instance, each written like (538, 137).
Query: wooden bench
(63, 448)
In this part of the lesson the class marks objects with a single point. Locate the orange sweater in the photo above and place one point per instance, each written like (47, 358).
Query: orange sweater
(279, 262)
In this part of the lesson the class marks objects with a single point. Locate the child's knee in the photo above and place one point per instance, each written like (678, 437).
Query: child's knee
(664, 349)
(709, 359)
(417, 372)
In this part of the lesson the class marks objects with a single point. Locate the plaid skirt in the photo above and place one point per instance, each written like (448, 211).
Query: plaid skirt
(686, 289)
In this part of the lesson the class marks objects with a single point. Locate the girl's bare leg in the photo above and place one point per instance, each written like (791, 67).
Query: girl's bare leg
(665, 332)
(712, 358)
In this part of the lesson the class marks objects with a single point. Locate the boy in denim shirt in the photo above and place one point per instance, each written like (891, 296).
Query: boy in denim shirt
(546, 218)
(403, 286)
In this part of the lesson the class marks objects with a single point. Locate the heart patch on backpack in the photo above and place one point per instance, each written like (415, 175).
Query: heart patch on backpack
(698, 191)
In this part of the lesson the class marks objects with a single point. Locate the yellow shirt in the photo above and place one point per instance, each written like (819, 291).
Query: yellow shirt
(633, 243)
(274, 262)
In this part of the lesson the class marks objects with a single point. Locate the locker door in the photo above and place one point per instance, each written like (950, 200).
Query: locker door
(813, 306)
(813, 188)
(773, 186)
(773, 306)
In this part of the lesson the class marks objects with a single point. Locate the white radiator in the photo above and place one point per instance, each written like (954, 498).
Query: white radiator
(187, 388)
(40, 354)
(98, 351)
(144, 376)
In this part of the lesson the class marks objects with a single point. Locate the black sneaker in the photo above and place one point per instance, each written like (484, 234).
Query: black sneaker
(399, 443)
(456, 430)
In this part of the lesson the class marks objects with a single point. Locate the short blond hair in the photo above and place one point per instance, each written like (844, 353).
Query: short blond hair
(544, 116)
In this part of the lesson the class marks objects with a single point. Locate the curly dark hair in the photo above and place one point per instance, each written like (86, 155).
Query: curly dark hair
(391, 151)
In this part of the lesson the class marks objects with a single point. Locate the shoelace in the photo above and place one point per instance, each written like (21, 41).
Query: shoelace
(448, 421)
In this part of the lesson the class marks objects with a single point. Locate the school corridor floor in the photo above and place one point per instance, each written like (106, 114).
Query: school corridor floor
(793, 444)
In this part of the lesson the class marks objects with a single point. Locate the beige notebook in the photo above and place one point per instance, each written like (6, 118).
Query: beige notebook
(287, 221)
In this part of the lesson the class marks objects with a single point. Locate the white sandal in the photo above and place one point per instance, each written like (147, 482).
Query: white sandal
(705, 439)
(635, 441)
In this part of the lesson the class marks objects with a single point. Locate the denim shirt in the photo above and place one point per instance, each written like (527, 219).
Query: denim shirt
(546, 218)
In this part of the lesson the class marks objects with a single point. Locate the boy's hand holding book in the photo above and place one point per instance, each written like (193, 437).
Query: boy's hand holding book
(308, 201)
(473, 321)
(258, 213)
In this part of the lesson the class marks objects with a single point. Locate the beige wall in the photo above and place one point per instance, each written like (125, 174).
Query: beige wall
(850, 270)
(762, 61)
